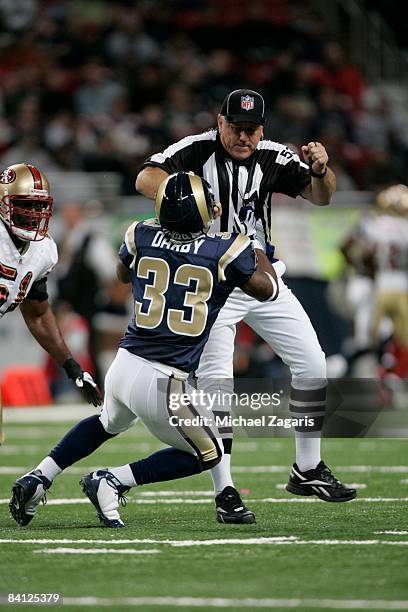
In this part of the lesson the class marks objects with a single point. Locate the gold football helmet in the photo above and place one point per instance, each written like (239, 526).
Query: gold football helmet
(394, 200)
(25, 201)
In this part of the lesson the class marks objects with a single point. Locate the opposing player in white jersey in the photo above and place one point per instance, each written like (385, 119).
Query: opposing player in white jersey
(241, 166)
(27, 255)
(359, 292)
(181, 277)
(386, 238)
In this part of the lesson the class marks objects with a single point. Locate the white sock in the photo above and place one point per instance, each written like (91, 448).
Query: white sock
(124, 474)
(49, 468)
(221, 474)
(307, 452)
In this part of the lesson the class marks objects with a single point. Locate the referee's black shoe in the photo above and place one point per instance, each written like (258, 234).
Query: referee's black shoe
(319, 481)
(231, 509)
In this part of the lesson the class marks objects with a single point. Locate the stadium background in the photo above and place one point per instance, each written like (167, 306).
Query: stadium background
(88, 90)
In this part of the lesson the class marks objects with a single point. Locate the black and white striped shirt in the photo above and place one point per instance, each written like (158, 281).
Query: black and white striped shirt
(272, 167)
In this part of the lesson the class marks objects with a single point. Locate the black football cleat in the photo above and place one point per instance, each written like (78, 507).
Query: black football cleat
(319, 481)
(26, 495)
(105, 492)
(230, 508)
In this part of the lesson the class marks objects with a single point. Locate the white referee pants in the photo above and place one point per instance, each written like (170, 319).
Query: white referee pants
(283, 324)
(137, 388)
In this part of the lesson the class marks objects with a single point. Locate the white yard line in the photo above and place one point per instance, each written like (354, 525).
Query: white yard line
(221, 602)
(208, 500)
(97, 551)
(258, 469)
(55, 414)
(110, 449)
(391, 532)
(31, 433)
(272, 541)
(19, 471)
(180, 493)
(354, 485)
(353, 469)
(21, 449)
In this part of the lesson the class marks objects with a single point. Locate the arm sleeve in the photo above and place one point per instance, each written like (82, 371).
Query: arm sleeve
(294, 174)
(38, 291)
(128, 250)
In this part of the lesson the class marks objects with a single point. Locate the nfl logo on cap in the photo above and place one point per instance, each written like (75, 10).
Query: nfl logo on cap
(244, 105)
(247, 102)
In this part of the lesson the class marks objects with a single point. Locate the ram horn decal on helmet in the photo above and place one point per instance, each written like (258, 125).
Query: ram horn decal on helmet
(184, 206)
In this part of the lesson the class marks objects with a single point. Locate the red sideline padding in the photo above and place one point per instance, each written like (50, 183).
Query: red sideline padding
(25, 386)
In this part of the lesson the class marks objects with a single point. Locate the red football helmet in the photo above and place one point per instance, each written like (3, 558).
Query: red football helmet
(25, 204)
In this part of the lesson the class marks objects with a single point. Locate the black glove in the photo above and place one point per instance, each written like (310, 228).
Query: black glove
(83, 381)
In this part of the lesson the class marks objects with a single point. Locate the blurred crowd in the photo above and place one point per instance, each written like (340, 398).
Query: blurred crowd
(101, 85)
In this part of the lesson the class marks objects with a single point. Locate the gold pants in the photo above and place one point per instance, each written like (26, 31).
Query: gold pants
(394, 305)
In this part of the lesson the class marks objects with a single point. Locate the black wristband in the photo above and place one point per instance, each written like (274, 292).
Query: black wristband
(318, 175)
(72, 368)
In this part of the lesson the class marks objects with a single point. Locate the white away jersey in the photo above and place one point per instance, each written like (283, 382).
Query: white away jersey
(18, 272)
(387, 236)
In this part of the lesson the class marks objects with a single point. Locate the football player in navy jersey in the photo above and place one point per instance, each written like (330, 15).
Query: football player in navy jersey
(181, 277)
(241, 165)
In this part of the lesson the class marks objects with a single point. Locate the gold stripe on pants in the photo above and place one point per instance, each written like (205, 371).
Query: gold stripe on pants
(200, 437)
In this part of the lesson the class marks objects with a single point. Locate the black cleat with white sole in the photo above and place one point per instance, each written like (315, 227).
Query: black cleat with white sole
(106, 493)
(26, 495)
(319, 481)
(230, 508)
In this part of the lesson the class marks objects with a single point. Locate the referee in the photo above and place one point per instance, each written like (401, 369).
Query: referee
(241, 167)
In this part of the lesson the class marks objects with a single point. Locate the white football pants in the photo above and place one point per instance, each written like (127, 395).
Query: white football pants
(283, 324)
(137, 388)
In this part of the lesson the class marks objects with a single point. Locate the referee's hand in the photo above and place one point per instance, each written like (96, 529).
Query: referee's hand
(245, 221)
(315, 155)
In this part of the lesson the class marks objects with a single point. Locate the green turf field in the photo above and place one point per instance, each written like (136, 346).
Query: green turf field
(302, 553)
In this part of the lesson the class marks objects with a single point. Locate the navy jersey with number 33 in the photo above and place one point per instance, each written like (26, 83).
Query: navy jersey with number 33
(179, 289)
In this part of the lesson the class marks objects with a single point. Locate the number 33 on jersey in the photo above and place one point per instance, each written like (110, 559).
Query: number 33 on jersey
(179, 289)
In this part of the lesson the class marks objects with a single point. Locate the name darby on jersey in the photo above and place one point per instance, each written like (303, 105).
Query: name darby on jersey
(160, 240)
(271, 420)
